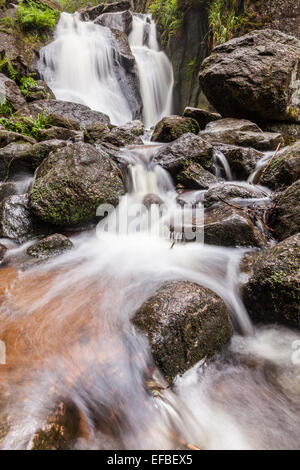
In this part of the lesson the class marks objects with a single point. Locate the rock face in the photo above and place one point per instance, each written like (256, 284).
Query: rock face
(188, 148)
(17, 221)
(242, 160)
(51, 246)
(118, 20)
(228, 226)
(89, 13)
(202, 116)
(285, 217)
(184, 323)
(254, 76)
(72, 182)
(194, 176)
(272, 292)
(240, 132)
(10, 92)
(172, 127)
(74, 111)
(284, 169)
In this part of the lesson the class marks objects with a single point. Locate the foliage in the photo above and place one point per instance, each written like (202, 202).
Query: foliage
(70, 6)
(223, 20)
(25, 84)
(35, 16)
(25, 126)
(169, 14)
(6, 108)
(7, 68)
(7, 24)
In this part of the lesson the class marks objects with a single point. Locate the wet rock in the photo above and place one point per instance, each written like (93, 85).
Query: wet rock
(118, 20)
(39, 92)
(272, 293)
(187, 149)
(285, 217)
(284, 169)
(136, 127)
(184, 323)
(194, 176)
(7, 137)
(17, 221)
(289, 131)
(254, 76)
(3, 250)
(95, 132)
(60, 133)
(171, 128)
(120, 137)
(57, 120)
(10, 92)
(152, 199)
(75, 111)
(242, 133)
(7, 154)
(227, 191)
(202, 116)
(89, 13)
(228, 226)
(30, 158)
(242, 160)
(72, 182)
(7, 189)
(51, 246)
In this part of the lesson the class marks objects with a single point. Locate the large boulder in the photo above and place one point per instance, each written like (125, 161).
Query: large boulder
(240, 132)
(172, 127)
(284, 169)
(184, 323)
(194, 176)
(49, 247)
(17, 221)
(74, 111)
(272, 292)
(285, 217)
(89, 13)
(202, 116)
(121, 20)
(225, 225)
(188, 148)
(72, 182)
(255, 76)
(10, 92)
(242, 160)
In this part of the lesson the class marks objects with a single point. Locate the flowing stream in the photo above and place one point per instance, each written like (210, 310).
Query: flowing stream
(66, 323)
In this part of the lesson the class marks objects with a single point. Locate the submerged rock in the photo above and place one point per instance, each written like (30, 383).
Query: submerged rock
(284, 169)
(74, 111)
(184, 323)
(254, 76)
(51, 246)
(72, 182)
(272, 292)
(10, 92)
(240, 132)
(172, 127)
(17, 221)
(229, 226)
(285, 217)
(202, 116)
(242, 160)
(188, 148)
(194, 176)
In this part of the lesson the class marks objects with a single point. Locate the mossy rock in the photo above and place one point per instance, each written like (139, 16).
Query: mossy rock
(172, 127)
(51, 246)
(284, 169)
(285, 216)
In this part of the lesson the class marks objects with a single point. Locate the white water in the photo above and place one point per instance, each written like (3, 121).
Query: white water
(155, 70)
(79, 66)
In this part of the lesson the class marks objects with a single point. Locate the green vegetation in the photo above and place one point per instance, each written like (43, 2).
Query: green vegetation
(8, 69)
(223, 20)
(70, 6)
(25, 84)
(6, 108)
(169, 14)
(35, 16)
(25, 126)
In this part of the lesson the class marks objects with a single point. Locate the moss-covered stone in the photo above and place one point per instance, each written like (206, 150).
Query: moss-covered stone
(272, 292)
(184, 323)
(285, 217)
(284, 169)
(72, 182)
(51, 246)
(194, 176)
(172, 127)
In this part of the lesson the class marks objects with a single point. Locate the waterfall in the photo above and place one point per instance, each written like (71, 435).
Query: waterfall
(81, 65)
(154, 68)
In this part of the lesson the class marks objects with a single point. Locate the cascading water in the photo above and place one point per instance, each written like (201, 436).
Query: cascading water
(81, 66)
(155, 70)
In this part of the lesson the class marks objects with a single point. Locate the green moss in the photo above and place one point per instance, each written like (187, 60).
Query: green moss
(37, 17)
(25, 126)
(293, 113)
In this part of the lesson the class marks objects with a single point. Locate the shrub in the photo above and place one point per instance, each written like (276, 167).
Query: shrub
(25, 126)
(6, 108)
(25, 84)
(35, 16)
(223, 20)
(70, 6)
(8, 69)
(168, 14)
